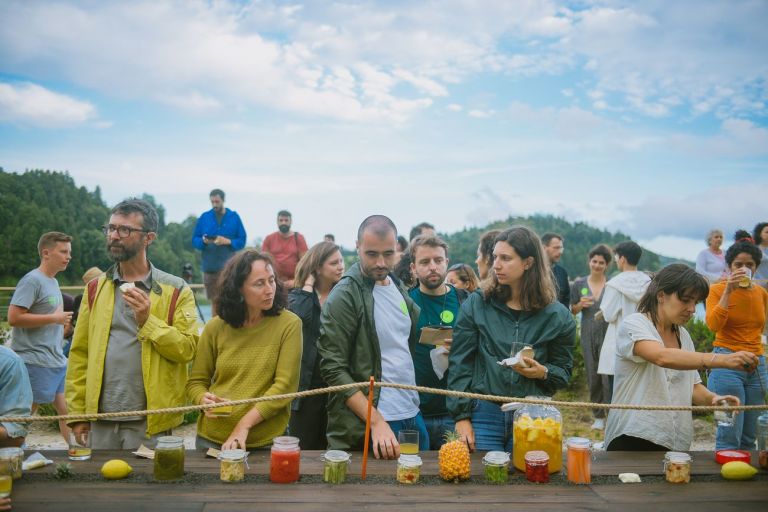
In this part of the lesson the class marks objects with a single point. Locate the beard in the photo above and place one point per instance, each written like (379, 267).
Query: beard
(117, 252)
(284, 228)
(433, 281)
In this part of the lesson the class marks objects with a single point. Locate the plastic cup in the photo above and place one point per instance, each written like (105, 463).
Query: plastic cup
(746, 280)
(724, 418)
(409, 442)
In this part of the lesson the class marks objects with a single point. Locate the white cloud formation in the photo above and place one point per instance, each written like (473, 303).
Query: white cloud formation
(31, 104)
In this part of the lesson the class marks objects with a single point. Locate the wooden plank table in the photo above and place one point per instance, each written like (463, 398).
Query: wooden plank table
(201, 490)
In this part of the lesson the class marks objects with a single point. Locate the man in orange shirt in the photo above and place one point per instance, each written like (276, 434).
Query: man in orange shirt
(286, 247)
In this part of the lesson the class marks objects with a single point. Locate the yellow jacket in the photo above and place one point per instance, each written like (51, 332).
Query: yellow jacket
(165, 350)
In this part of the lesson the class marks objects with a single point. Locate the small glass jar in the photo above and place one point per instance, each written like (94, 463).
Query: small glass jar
(579, 460)
(538, 427)
(762, 440)
(677, 467)
(537, 466)
(408, 469)
(496, 467)
(169, 458)
(284, 460)
(232, 465)
(13, 456)
(335, 463)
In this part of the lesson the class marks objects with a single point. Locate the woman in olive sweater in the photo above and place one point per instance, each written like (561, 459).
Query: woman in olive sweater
(252, 349)
(518, 306)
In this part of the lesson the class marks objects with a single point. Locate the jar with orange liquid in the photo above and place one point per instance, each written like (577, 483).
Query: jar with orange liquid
(579, 460)
(284, 460)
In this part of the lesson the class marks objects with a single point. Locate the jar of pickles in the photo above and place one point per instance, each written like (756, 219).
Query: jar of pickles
(579, 459)
(284, 460)
(538, 427)
(496, 467)
(13, 457)
(408, 469)
(335, 463)
(537, 466)
(232, 465)
(762, 440)
(677, 467)
(169, 458)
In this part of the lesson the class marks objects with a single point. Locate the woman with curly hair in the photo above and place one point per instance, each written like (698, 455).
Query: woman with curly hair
(736, 312)
(760, 236)
(252, 349)
(484, 259)
(317, 273)
(518, 307)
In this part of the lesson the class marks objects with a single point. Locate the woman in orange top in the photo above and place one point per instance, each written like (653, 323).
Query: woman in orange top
(736, 311)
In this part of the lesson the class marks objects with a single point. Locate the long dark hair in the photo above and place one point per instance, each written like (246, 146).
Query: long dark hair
(229, 302)
(756, 235)
(743, 244)
(537, 288)
(313, 261)
(676, 278)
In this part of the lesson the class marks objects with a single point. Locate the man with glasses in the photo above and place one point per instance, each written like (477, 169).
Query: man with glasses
(219, 233)
(136, 334)
(439, 303)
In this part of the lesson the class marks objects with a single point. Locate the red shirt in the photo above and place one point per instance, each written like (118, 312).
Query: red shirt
(286, 252)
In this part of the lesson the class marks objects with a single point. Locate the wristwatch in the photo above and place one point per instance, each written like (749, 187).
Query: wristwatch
(546, 373)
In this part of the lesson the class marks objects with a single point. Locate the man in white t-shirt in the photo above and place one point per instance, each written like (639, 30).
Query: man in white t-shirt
(368, 326)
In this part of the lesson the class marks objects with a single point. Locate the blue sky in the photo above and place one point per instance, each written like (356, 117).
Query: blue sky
(649, 117)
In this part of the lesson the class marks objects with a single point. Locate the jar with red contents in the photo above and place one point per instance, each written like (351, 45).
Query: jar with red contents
(537, 466)
(284, 460)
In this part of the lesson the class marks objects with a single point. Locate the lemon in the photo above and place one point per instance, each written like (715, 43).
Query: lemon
(115, 469)
(737, 470)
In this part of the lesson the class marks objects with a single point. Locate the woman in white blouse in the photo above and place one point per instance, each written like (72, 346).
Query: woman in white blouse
(711, 261)
(656, 364)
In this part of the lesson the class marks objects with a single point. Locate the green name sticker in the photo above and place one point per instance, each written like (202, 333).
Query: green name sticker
(447, 316)
(585, 291)
(404, 308)
(53, 300)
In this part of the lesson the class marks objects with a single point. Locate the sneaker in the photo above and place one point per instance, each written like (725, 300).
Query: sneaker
(599, 424)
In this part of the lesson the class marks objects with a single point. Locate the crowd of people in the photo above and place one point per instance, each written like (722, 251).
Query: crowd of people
(290, 317)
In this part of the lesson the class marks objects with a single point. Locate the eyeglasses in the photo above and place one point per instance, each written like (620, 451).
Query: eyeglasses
(122, 231)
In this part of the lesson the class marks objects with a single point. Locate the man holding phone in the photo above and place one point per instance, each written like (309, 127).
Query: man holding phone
(219, 234)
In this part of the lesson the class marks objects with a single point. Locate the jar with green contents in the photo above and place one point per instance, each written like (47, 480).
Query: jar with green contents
(335, 463)
(496, 467)
(13, 457)
(169, 458)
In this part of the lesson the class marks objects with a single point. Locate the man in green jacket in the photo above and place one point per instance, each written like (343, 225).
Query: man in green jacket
(368, 326)
(137, 331)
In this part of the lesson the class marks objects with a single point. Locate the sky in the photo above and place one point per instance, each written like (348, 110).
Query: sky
(648, 117)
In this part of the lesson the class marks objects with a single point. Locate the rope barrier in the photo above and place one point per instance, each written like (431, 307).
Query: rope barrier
(359, 385)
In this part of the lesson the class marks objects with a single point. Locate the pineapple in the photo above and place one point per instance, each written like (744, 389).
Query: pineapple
(453, 458)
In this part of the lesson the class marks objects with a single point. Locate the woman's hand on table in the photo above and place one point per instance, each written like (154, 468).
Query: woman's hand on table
(236, 439)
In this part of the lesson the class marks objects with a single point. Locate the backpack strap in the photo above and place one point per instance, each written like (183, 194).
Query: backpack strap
(93, 286)
(172, 308)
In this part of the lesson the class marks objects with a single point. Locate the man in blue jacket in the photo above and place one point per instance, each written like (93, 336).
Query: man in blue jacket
(219, 233)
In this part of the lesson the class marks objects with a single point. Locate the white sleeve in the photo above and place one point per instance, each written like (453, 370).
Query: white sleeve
(634, 328)
(610, 304)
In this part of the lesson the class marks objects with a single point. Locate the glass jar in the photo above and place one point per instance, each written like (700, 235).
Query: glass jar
(677, 467)
(6, 480)
(579, 460)
(762, 440)
(13, 456)
(335, 463)
(284, 460)
(232, 465)
(537, 466)
(496, 467)
(538, 427)
(408, 469)
(169, 458)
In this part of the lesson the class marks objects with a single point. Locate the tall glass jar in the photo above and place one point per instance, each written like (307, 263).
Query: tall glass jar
(762, 440)
(13, 457)
(169, 458)
(284, 460)
(538, 427)
(579, 460)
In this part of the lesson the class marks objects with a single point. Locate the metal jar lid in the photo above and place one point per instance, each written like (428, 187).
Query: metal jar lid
(409, 461)
(496, 458)
(336, 456)
(536, 456)
(580, 443)
(677, 457)
(232, 455)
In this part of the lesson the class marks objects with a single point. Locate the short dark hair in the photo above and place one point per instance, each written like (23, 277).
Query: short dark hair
(600, 250)
(759, 227)
(630, 250)
(229, 302)
(426, 241)
(381, 225)
(50, 239)
(284, 213)
(330, 237)
(402, 271)
(402, 243)
(217, 192)
(418, 228)
(743, 244)
(485, 246)
(149, 219)
(676, 278)
(547, 237)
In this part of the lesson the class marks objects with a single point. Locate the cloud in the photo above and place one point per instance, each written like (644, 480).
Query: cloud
(192, 101)
(737, 138)
(31, 104)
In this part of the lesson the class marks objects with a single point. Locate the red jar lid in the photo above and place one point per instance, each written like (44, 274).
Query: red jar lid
(723, 456)
(536, 456)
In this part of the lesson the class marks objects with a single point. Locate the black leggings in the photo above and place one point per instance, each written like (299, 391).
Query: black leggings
(625, 443)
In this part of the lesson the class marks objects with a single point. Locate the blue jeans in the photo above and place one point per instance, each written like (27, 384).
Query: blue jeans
(747, 387)
(437, 426)
(492, 426)
(415, 423)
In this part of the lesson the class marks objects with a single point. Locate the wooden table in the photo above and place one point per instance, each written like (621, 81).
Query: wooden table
(37, 491)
